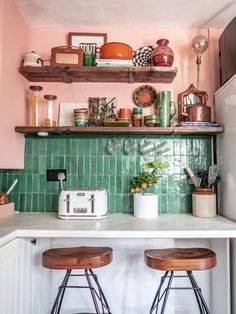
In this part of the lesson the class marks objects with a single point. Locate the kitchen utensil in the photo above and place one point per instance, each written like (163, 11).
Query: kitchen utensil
(145, 96)
(116, 50)
(197, 113)
(114, 146)
(12, 187)
(32, 59)
(82, 204)
(4, 196)
(212, 174)
(196, 180)
(165, 106)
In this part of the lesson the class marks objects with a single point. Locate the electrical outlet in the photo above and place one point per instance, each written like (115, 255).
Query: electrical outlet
(52, 174)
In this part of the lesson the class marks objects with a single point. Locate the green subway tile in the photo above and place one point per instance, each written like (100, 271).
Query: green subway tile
(35, 147)
(35, 165)
(162, 204)
(113, 165)
(42, 147)
(93, 165)
(42, 165)
(62, 147)
(100, 181)
(99, 165)
(88, 164)
(106, 165)
(74, 165)
(41, 202)
(42, 183)
(35, 182)
(112, 184)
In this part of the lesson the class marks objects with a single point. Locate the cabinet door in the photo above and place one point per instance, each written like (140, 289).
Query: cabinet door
(11, 281)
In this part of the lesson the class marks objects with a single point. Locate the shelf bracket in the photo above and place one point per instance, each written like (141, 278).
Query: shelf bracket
(131, 72)
(65, 76)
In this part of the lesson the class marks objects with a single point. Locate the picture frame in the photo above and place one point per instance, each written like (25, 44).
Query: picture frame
(87, 41)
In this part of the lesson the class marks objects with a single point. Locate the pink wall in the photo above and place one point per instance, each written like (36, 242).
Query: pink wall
(42, 40)
(17, 38)
(14, 41)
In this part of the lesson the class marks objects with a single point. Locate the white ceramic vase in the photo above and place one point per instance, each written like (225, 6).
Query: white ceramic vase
(145, 205)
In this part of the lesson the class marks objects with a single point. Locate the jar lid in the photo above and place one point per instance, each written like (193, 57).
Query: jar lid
(137, 110)
(35, 88)
(50, 97)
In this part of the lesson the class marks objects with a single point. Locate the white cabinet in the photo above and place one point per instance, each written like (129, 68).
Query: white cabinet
(23, 281)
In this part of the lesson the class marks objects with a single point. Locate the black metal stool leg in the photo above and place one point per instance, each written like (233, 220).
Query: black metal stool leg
(61, 290)
(200, 294)
(92, 292)
(201, 309)
(167, 292)
(102, 296)
(156, 300)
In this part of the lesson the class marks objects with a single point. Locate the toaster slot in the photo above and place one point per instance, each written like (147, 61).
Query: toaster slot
(92, 203)
(67, 203)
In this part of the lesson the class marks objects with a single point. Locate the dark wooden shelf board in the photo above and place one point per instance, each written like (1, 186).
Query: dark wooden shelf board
(99, 74)
(118, 130)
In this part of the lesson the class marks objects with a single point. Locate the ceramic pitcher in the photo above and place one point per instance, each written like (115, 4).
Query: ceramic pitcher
(166, 108)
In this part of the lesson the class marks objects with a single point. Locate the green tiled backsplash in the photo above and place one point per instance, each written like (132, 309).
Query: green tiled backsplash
(89, 164)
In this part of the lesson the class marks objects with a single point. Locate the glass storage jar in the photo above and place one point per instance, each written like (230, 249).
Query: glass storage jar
(35, 105)
(49, 115)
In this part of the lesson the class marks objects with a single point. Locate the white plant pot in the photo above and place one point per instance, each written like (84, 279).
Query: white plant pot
(145, 205)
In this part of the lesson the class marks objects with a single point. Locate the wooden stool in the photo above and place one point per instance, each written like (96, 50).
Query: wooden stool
(179, 259)
(84, 258)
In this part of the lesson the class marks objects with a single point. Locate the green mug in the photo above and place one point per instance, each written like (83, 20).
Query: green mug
(166, 108)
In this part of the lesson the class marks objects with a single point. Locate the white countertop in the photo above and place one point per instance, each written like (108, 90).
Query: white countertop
(115, 226)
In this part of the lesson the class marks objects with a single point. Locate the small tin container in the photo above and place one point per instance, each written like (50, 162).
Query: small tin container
(137, 117)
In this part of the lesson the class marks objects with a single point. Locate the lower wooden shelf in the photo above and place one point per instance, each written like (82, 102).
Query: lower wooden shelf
(60, 130)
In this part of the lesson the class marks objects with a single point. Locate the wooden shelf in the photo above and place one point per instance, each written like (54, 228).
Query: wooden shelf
(118, 130)
(68, 74)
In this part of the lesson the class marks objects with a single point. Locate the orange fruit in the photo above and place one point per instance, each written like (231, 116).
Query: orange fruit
(136, 189)
(157, 181)
(132, 190)
(144, 186)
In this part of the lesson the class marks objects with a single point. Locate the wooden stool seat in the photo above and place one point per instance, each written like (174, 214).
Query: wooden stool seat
(180, 259)
(83, 257)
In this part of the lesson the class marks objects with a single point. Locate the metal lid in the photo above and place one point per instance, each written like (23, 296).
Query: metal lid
(50, 97)
(137, 110)
(36, 88)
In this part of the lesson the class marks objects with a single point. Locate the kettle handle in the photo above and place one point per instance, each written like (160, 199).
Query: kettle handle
(39, 59)
(172, 105)
(182, 111)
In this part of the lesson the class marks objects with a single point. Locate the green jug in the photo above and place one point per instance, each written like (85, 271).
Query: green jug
(166, 108)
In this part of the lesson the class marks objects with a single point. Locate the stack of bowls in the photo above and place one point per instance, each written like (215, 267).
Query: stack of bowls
(151, 120)
(81, 117)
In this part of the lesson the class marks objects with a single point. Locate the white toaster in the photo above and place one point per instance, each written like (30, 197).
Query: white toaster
(82, 204)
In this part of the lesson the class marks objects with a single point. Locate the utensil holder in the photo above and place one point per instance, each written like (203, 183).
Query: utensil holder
(204, 203)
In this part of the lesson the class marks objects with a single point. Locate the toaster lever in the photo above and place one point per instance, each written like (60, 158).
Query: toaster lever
(92, 202)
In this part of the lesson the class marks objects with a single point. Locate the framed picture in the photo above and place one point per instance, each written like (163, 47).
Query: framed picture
(66, 112)
(87, 41)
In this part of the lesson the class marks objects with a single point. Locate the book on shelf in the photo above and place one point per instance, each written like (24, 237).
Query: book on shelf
(113, 62)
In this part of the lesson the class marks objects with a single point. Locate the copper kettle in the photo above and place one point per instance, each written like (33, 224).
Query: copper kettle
(197, 113)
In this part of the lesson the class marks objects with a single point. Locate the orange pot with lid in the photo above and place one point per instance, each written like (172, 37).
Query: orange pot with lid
(116, 50)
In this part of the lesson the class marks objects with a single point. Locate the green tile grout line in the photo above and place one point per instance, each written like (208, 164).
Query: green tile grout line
(89, 164)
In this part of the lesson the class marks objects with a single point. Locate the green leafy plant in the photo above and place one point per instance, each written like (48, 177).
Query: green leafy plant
(149, 176)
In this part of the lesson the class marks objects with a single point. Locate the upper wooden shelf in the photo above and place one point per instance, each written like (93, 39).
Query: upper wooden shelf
(68, 74)
(118, 130)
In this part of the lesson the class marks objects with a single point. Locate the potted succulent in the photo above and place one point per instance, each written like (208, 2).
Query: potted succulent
(146, 204)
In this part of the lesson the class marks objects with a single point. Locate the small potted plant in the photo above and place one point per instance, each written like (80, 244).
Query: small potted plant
(146, 204)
